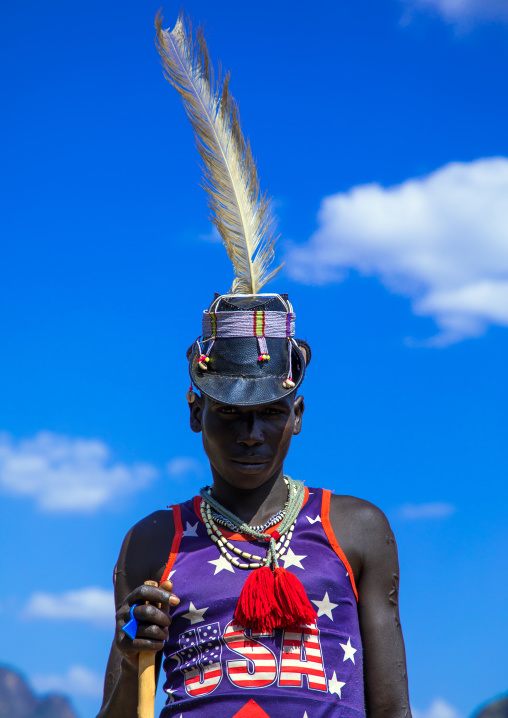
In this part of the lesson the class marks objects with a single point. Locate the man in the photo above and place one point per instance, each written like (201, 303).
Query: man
(245, 636)
(246, 444)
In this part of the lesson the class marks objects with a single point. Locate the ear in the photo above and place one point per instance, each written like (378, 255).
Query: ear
(196, 413)
(299, 408)
(305, 349)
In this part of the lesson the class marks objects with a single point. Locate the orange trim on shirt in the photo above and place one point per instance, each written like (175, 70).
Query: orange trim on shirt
(325, 520)
(177, 514)
(229, 535)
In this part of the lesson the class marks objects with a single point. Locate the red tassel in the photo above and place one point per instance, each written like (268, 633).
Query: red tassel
(255, 607)
(273, 599)
(294, 607)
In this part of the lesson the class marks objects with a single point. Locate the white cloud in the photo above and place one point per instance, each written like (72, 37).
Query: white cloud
(214, 236)
(67, 474)
(441, 240)
(91, 605)
(434, 510)
(438, 709)
(462, 12)
(78, 681)
(183, 468)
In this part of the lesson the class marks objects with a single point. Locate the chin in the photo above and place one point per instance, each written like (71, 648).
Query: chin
(250, 476)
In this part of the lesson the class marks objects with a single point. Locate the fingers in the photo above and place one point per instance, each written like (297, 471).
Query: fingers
(167, 587)
(151, 615)
(150, 632)
(152, 594)
(151, 611)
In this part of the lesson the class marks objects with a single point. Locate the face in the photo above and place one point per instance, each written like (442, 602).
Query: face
(247, 445)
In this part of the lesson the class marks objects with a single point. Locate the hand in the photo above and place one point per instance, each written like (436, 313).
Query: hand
(153, 622)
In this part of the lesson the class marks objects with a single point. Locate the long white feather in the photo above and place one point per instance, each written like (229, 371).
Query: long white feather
(241, 214)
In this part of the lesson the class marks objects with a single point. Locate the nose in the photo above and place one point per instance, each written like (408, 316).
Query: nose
(251, 432)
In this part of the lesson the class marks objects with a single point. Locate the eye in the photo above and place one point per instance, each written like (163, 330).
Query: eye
(227, 410)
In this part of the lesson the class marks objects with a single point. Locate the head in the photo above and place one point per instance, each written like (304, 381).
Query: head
(247, 445)
(248, 411)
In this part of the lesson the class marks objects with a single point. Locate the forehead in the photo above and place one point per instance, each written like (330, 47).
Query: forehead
(284, 403)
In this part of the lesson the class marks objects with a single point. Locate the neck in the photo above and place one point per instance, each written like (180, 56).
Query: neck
(254, 506)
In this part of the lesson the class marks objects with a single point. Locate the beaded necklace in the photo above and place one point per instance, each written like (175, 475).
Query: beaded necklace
(275, 519)
(271, 596)
(223, 521)
(278, 540)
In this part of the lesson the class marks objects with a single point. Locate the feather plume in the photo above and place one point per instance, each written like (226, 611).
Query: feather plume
(241, 214)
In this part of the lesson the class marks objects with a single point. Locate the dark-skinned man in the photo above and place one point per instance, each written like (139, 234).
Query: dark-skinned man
(286, 596)
(350, 656)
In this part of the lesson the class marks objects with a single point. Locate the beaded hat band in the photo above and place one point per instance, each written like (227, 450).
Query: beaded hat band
(248, 324)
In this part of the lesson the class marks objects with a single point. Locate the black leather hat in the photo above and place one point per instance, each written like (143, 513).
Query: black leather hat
(235, 371)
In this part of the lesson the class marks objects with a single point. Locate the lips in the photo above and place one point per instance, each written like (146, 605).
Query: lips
(249, 460)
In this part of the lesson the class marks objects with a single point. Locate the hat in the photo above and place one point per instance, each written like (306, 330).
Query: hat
(247, 353)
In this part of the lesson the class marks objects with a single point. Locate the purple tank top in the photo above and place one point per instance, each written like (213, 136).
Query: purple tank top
(216, 669)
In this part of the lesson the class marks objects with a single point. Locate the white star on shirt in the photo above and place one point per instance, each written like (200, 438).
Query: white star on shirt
(313, 521)
(335, 686)
(222, 564)
(195, 615)
(305, 715)
(325, 607)
(191, 530)
(349, 651)
(290, 559)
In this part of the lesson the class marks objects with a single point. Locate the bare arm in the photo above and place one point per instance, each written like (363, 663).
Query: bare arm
(143, 556)
(367, 540)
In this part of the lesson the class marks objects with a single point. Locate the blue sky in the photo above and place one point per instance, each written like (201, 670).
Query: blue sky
(380, 131)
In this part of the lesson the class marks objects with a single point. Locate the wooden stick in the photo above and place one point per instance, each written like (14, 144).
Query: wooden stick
(146, 679)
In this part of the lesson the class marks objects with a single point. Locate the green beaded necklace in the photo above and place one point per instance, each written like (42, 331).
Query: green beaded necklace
(278, 540)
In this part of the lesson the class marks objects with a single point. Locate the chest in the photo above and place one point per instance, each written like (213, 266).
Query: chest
(208, 655)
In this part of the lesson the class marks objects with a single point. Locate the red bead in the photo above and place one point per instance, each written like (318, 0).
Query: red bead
(276, 535)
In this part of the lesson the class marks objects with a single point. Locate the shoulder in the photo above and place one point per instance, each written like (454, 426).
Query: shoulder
(158, 524)
(365, 515)
(145, 551)
(362, 530)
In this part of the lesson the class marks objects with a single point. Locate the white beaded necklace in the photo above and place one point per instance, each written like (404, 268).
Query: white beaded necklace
(278, 541)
